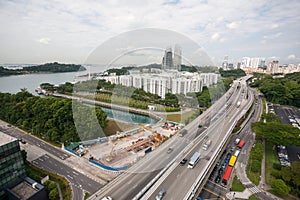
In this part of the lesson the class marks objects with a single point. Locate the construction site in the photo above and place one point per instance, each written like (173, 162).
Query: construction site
(125, 149)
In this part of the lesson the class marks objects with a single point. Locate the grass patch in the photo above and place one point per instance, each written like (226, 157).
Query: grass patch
(264, 109)
(37, 174)
(180, 118)
(254, 163)
(271, 159)
(86, 195)
(114, 126)
(237, 185)
(253, 197)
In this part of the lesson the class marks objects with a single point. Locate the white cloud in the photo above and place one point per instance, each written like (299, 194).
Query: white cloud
(274, 26)
(76, 27)
(233, 25)
(274, 58)
(273, 36)
(44, 40)
(291, 57)
(215, 37)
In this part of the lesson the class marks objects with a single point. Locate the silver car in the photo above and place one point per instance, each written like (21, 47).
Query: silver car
(161, 194)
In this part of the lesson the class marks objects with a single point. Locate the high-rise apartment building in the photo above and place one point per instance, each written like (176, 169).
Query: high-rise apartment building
(225, 62)
(168, 59)
(177, 57)
(245, 62)
(273, 67)
(254, 62)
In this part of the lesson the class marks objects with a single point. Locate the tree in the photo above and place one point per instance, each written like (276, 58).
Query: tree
(53, 194)
(280, 187)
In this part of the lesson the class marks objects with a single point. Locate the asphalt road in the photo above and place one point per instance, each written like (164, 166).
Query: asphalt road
(246, 134)
(78, 180)
(185, 178)
(130, 183)
(35, 141)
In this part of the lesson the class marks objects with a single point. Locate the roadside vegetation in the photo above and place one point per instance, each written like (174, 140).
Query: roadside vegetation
(51, 119)
(253, 169)
(284, 91)
(237, 186)
(253, 197)
(283, 179)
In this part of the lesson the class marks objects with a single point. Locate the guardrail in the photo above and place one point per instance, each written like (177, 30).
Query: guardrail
(195, 186)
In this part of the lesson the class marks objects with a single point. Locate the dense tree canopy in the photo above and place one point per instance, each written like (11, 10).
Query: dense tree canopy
(277, 133)
(49, 118)
(280, 187)
(54, 68)
(235, 73)
(8, 72)
(284, 91)
(48, 67)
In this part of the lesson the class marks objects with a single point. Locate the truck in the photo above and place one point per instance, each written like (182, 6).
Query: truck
(206, 145)
(241, 144)
(238, 104)
(227, 174)
(194, 160)
(182, 132)
(232, 161)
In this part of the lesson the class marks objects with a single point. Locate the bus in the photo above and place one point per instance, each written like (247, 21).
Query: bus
(241, 143)
(227, 174)
(232, 161)
(182, 132)
(194, 160)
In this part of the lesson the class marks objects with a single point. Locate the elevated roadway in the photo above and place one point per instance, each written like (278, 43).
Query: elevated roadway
(153, 169)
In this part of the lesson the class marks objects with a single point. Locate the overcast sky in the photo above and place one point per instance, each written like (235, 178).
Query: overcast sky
(69, 31)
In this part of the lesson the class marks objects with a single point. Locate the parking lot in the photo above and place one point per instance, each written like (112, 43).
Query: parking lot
(287, 114)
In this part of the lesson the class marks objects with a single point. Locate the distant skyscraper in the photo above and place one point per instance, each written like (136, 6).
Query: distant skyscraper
(273, 67)
(255, 62)
(177, 57)
(262, 62)
(168, 59)
(225, 62)
(245, 62)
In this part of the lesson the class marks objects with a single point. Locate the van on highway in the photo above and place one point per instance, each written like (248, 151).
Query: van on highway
(237, 152)
(237, 141)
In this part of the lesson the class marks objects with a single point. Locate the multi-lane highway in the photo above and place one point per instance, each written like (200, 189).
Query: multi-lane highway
(181, 181)
(157, 165)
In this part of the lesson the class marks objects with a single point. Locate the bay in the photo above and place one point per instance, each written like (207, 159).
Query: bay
(14, 84)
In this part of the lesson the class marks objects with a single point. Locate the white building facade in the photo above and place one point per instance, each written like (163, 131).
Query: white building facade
(166, 81)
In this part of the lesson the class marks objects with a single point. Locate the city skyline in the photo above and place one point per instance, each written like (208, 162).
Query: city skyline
(39, 32)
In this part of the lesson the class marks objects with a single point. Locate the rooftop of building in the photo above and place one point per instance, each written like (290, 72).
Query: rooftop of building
(4, 138)
(26, 188)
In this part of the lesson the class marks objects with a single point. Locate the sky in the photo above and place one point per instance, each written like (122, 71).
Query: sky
(69, 31)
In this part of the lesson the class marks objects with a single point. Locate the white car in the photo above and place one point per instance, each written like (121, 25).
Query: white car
(106, 198)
